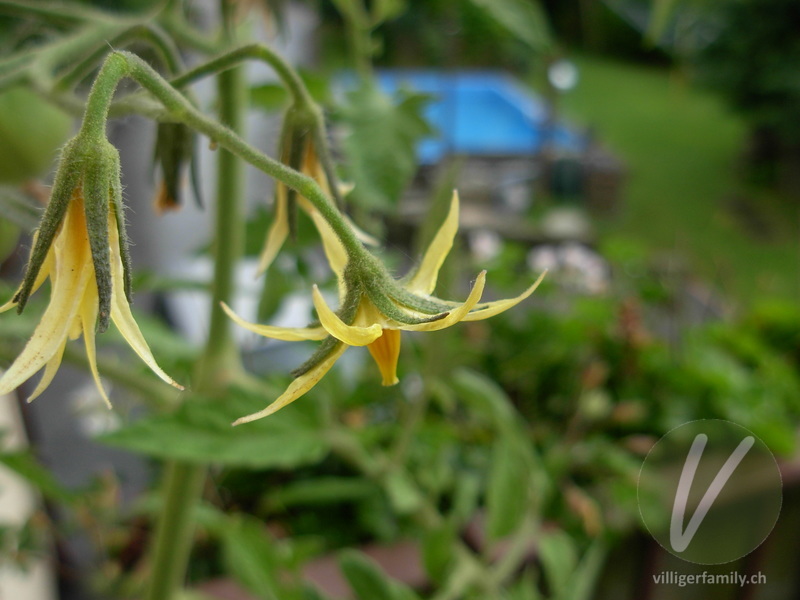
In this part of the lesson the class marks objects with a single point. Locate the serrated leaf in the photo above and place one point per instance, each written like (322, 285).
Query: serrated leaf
(524, 19)
(201, 431)
(380, 147)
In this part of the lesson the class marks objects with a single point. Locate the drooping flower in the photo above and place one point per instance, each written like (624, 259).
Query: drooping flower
(174, 155)
(81, 247)
(373, 315)
(298, 150)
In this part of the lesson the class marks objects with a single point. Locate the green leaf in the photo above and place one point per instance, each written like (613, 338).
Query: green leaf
(31, 130)
(381, 145)
(508, 494)
(201, 431)
(559, 558)
(585, 578)
(465, 498)
(273, 97)
(437, 551)
(386, 10)
(321, 490)
(367, 580)
(26, 466)
(403, 493)
(487, 399)
(525, 588)
(249, 555)
(524, 19)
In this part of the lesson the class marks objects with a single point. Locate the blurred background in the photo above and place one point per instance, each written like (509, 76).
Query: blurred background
(645, 152)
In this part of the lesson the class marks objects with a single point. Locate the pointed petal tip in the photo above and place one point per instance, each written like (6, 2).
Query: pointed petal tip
(352, 335)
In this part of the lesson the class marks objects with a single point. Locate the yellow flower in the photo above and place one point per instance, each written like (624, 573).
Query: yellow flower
(373, 316)
(80, 301)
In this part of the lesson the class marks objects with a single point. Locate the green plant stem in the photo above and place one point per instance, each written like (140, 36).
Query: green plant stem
(220, 360)
(229, 244)
(226, 61)
(183, 485)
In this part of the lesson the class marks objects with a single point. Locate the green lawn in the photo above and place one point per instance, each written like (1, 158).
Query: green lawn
(681, 148)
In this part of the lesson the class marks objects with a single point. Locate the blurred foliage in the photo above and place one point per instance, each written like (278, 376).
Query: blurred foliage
(752, 62)
(515, 472)
(31, 131)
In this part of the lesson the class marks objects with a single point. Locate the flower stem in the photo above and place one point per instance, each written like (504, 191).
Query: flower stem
(220, 360)
(229, 243)
(173, 543)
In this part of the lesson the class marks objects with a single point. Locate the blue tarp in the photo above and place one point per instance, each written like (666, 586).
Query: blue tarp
(481, 113)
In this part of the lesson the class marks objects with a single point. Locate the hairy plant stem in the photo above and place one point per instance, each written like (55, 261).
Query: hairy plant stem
(125, 64)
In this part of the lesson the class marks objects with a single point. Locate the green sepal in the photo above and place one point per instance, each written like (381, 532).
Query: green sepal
(415, 302)
(97, 191)
(325, 349)
(118, 207)
(66, 182)
(394, 312)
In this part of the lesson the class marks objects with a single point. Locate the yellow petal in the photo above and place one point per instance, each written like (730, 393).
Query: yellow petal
(455, 315)
(121, 310)
(386, 350)
(8, 305)
(289, 334)
(424, 279)
(88, 316)
(278, 230)
(50, 371)
(73, 268)
(298, 387)
(44, 272)
(334, 250)
(490, 309)
(352, 335)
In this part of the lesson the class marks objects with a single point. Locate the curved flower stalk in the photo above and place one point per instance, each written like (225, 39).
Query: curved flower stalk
(81, 247)
(375, 308)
